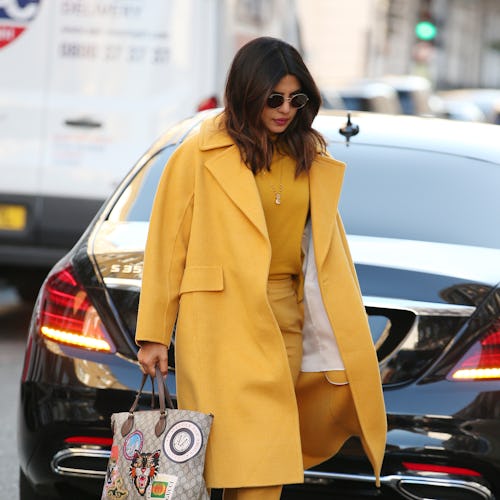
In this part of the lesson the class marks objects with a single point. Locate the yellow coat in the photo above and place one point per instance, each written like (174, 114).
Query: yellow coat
(206, 266)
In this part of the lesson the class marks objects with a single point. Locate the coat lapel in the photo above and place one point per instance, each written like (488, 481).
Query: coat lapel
(325, 183)
(238, 182)
(233, 176)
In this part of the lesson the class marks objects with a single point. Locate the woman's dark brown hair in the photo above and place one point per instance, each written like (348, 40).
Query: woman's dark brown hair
(256, 69)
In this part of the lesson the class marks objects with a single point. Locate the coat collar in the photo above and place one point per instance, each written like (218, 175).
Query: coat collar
(213, 135)
(237, 181)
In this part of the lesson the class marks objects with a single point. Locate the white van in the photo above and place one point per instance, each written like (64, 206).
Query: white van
(86, 85)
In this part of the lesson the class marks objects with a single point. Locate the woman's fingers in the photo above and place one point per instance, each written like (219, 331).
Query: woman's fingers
(151, 354)
(163, 364)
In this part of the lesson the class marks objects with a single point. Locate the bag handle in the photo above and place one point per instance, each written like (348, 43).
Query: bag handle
(165, 402)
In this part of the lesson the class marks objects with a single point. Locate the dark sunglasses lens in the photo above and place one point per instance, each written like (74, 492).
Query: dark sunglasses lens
(275, 100)
(299, 100)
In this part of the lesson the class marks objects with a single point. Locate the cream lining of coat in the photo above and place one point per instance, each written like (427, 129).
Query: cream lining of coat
(320, 349)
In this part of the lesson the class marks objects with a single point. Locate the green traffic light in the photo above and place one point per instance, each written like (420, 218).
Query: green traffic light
(425, 30)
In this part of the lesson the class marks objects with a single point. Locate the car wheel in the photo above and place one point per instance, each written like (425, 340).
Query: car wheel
(26, 491)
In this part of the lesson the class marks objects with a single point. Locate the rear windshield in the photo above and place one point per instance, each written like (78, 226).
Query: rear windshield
(420, 195)
(388, 192)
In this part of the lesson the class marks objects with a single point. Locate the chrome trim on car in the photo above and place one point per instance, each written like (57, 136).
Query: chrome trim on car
(60, 456)
(398, 481)
(126, 283)
(419, 308)
(394, 481)
(482, 492)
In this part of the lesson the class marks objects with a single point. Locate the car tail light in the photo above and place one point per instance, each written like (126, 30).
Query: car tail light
(89, 440)
(208, 103)
(482, 360)
(441, 469)
(68, 317)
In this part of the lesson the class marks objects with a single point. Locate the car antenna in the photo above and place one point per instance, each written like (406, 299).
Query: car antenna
(348, 130)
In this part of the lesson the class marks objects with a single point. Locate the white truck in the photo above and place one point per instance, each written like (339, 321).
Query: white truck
(87, 85)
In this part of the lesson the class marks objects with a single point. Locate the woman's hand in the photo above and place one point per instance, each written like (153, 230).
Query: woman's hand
(151, 354)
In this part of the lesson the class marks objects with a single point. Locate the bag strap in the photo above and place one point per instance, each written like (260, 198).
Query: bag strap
(164, 398)
(165, 401)
(163, 391)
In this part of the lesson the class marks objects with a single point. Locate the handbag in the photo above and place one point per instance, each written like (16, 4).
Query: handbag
(157, 453)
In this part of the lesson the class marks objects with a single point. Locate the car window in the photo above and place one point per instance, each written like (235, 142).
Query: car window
(419, 195)
(136, 201)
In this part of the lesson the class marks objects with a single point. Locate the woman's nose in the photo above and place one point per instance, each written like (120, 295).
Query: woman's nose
(285, 107)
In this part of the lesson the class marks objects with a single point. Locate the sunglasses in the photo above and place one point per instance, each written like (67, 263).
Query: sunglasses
(297, 100)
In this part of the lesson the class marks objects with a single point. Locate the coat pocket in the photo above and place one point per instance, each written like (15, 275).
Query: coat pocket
(202, 279)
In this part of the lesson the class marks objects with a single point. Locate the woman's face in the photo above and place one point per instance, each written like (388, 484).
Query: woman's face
(276, 120)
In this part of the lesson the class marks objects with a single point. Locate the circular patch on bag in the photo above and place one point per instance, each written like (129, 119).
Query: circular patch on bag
(132, 443)
(182, 441)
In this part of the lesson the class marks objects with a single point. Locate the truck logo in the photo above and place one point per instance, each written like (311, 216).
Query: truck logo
(15, 16)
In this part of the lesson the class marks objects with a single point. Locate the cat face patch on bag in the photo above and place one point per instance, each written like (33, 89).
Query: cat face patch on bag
(143, 469)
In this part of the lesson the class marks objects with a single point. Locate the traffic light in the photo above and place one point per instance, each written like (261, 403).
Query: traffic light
(426, 30)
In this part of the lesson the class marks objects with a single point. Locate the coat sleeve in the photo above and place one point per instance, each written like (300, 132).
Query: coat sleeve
(166, 248)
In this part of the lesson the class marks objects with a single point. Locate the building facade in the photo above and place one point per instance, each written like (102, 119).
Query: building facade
(345, 41)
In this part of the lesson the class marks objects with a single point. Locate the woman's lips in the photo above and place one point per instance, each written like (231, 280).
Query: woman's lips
(281, 121)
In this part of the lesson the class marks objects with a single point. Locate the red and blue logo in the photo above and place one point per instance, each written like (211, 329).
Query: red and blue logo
(15, 17)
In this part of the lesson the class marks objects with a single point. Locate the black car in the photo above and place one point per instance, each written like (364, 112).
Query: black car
(421, 207)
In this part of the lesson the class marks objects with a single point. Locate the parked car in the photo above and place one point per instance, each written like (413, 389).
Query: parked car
(415, 94)
(420, 205)
(462, 110)
(369, 96)
(496, 113)
(487, 100)
(331, 99)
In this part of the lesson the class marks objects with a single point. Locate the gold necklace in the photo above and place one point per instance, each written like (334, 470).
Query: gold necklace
(278, 192)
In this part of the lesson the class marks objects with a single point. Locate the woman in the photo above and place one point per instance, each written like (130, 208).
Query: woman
(282, 358)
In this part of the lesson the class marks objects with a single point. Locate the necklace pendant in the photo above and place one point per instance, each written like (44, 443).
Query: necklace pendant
(277, 199)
